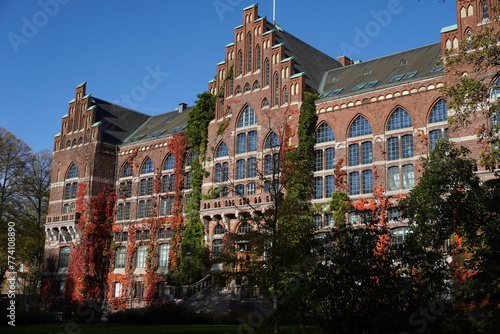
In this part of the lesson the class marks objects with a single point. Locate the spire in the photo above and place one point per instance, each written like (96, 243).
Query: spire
(274, 12)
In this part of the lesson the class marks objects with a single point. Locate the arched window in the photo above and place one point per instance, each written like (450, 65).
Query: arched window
(324, 133)
(169, 162)
(247, 87)
(222, 151)
(240, 63)
(360, 127)
(257, 55)
(265, 103)
(272, 140)
(126, 170)
(399, 119)
(148, 166)
(285, 95)
(276, 89)
(439, 112)
(72, 171)
(244, 228)
(249, 52)
(256, 84)
(219, 229)
(247, 118)
(484, 10)
(267, 72)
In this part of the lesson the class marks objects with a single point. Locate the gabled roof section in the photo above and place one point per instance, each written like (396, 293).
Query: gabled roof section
(117, 122)
(307, 59)
(162, 125)
(400, 68)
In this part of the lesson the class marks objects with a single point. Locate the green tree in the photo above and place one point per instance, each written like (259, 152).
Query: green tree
(15, 156)
(454, 236)
(474, 89)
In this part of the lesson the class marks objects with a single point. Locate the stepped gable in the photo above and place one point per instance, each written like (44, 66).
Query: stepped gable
(307, 59)
(397, 69)
(161, 125)
(116, 122)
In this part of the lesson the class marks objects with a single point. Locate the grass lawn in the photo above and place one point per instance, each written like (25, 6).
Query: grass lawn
(72, 328)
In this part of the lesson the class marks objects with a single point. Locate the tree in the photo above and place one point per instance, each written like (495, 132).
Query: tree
(454, 238)
(474, 89)
(15, 156)
(34, 201)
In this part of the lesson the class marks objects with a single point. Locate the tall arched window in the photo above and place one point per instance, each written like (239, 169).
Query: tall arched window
(484, 10)
(399, 119)
(359, 157)
(360, 127)
(247, 118)
(438, 126)
(267, 72)
(240, 63)
(249, 52)
(324, 133)
(148, 166)
(276, 89)
(257, 55)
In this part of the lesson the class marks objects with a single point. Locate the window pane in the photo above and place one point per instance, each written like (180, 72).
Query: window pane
(240, 169)
(393, 148)
(64, 257)
(247, 118)
(367, 181)
(217, 172)
(251, 188)
(329, 186)
(268, 163)
(367, 152)
(272, 140)
(399, 119)
(120, 257)
(318, 160)
(318, 187)
(317, 221)
(353, 155)
(164, 255)
(407, 146)
(72, 172)
(241, 142)
(251, 167)
(148, 166)
(360, 127)
(141, 256)
(324, 134)
(439, 112)
(169, 162)
(434, 136)
(354, 183)
(126, 170)
(222, 151)
(408, 177)
(393, 178)
(252, 141)
(329, 158)
(225, 171)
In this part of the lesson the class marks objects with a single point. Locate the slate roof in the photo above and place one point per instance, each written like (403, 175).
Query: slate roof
(396, 69)
(117, 122)
(308, 59)
(162, 125)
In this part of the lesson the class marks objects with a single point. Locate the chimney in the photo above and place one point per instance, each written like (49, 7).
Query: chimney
(182, 107)
(345, 61)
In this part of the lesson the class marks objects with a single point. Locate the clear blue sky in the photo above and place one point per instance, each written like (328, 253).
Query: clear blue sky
(47, 50)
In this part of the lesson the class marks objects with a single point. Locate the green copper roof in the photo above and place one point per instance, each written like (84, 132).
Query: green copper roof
(449, 28)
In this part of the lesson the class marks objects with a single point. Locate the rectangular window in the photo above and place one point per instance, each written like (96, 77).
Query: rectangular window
(393, 178)
(329, 219)
(164, 255)
(318, 160)
(251, 167)
(329, 186)
(393, 148)
(141, 256)
(74, 189)
(241, 141)
(367, 152)
(329, 158)
(150, 186)
(166, 205)
(240, 169)
(188, 183)
(252, 141)
(127, 211)
(354, 183)
(119, 212)
(143, 187)
(318, 187)
(407, 146)
(239, 190)
(353, 155)
(142, 209)
(367, 181)
(118, 289)
(408, 177)
(67, 191)
(251, 188)
(225, 172)
(64, 257)
(139, 290)
(120, 257)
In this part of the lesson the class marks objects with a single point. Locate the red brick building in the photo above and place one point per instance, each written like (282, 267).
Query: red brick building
(379, 116)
